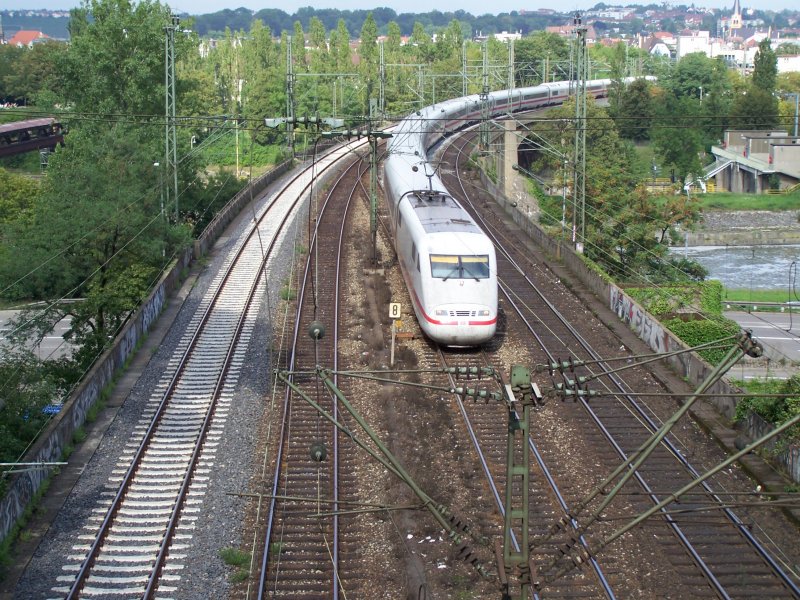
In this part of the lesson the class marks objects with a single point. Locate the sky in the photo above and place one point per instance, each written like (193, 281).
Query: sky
(476, 7)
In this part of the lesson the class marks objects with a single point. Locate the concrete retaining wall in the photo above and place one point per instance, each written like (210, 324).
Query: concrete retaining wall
(649, 329)
(756, 237)
(788, 459)
(59, 433)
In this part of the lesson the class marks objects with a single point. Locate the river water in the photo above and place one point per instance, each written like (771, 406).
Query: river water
(748, 267)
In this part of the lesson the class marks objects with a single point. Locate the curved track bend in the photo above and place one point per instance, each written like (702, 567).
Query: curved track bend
(726, 559)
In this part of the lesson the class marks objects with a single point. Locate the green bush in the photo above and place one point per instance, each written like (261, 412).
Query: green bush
(771, 409)
(696, 333)
(704, 297)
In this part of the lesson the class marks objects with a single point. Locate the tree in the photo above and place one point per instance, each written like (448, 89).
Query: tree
(9, 55)
(765, 67)
(787, 49)
(538, 52)
(755, 109)
(422, 42)
(17, 197)
(618, 55)
(393, 37)
(676, 136)
(316, 34)
(636, 111)
(622, 221)
(28, 386)
(692, 73)
(33, 76)
(369, 57)
(344, 60)
(95, 233)
(122, 47)
(299, 47)
(30, 75)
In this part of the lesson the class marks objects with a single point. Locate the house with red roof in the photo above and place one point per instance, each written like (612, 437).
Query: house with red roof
(27, 38)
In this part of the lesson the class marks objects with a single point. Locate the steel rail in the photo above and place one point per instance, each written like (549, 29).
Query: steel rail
(652, 426)
(127, 480)
(280, 450)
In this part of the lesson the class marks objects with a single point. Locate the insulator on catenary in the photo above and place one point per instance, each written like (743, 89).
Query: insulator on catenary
(318, 451)
(316, 330)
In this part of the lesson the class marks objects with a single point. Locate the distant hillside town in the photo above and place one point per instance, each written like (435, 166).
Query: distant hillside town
(669, 31)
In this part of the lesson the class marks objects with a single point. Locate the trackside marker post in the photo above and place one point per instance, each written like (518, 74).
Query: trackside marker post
(395, 312)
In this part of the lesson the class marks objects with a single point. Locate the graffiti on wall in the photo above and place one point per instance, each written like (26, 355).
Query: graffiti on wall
(645, 326)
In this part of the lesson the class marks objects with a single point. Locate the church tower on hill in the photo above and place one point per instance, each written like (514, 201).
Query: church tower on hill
(736, 18)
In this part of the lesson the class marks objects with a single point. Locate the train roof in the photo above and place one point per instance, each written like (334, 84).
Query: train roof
(438, 213)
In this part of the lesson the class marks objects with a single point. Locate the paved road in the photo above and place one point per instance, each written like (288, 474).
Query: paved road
(52, 346)
(779, 334)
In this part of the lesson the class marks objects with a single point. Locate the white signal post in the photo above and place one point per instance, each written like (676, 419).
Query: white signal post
(395, 312)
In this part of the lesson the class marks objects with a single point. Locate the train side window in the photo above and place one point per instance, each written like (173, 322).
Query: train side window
(418, 270)
(399, 217)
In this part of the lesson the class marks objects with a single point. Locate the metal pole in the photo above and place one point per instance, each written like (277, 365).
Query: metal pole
(579, 189)
(170, 142)
(484, 97)
(464, 68)
(382, 99)
(289, 98)
(511, 78)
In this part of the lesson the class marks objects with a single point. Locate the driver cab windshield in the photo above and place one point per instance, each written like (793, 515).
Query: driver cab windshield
(449, 266)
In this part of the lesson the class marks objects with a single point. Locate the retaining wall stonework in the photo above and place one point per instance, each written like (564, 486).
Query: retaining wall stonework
(59, 433)
(688, 364)
(746, 228)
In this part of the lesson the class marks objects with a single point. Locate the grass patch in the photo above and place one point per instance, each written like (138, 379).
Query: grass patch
(79, 436)
(234, 557)
(96, 408)
(239, 576)
(18, 530)
(276, 548)
(239, 560)
(750, 295)
(735, 202)
(775, 410)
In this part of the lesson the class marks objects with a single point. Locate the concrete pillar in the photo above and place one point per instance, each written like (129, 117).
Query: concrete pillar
(510, 145)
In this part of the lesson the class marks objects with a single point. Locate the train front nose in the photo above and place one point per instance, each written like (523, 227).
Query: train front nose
(463, 325)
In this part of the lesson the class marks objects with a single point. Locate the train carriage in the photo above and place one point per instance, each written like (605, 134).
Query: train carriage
(448, 263)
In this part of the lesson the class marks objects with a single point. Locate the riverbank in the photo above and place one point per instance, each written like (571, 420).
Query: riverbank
(745, 228)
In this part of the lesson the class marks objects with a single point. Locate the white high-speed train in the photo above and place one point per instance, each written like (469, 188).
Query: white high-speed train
(448, 263)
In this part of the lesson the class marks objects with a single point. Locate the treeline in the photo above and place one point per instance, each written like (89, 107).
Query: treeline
(214, 24)
(55, 27)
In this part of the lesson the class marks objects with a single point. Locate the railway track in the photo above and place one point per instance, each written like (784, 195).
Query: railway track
(302, 548)
(313, 539)
(726, 559)
(144, 524)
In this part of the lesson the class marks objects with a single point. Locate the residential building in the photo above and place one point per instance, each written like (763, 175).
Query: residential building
(753, 161)
(27, 38)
